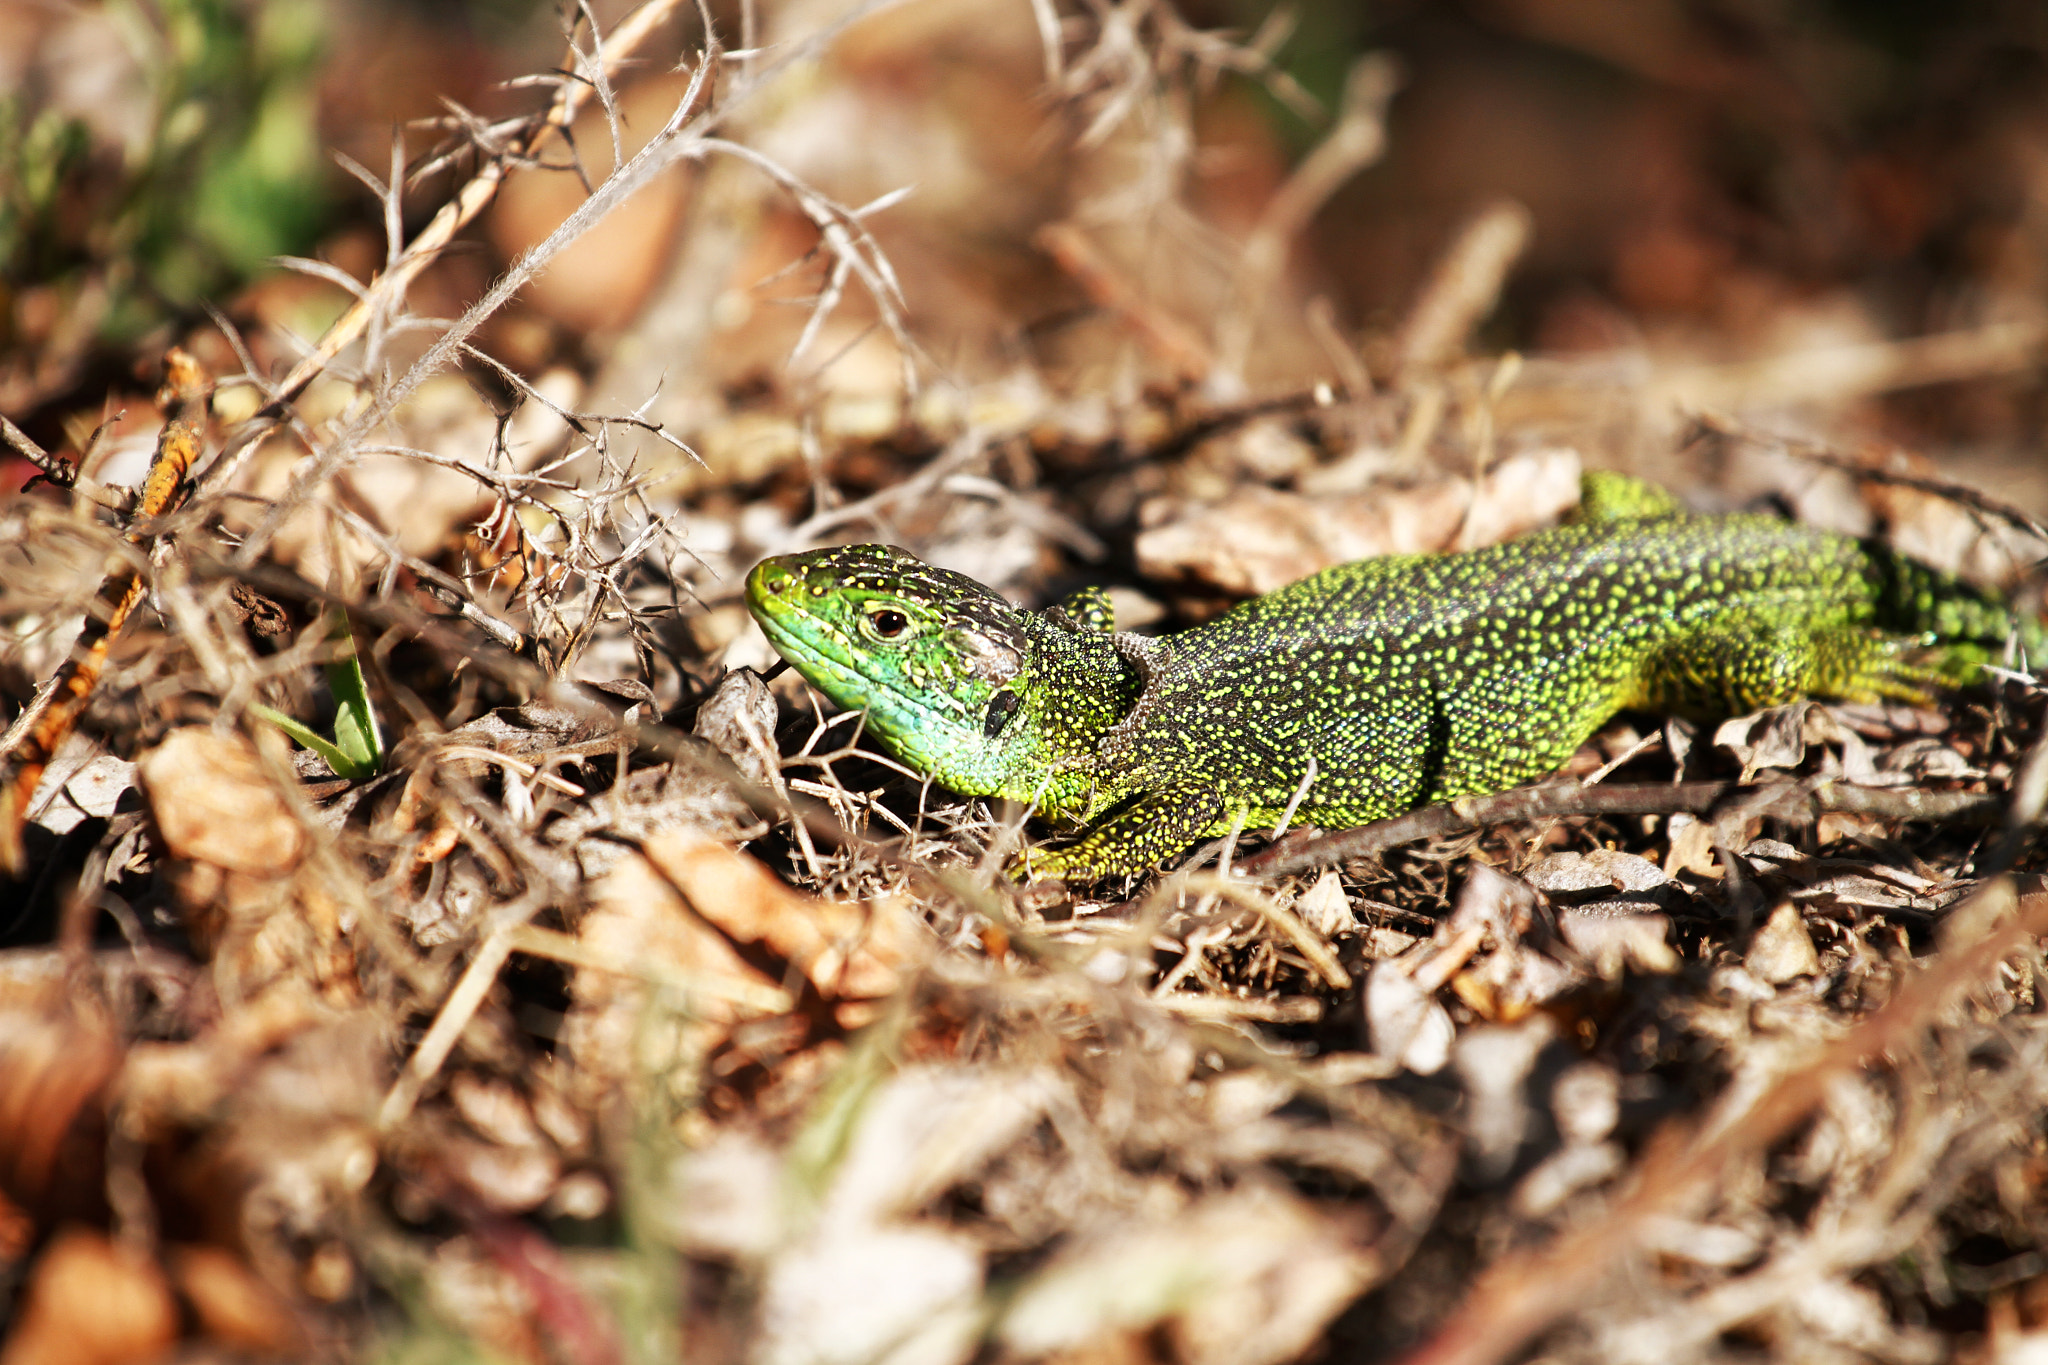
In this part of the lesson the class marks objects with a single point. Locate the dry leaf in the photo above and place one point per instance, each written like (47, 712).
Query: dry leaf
(233, 1306)
(503, 1179)
(1264, 539)
(1325, 908)
(1782, 950)
(872, 1296)
(1612, 942)
(234, 843)
(79, 785)
(1563, 1174)
(1773, 738)
(89, 1302)
(847, 951)
(739, 721)
(682, 925)
(927, 1129)
(214, 804)
(54, 1074)
(1692, 847)
(1494, 1063)
(727, 1199)
(1603, 869)
(1248, 1277)
(1403, 1021)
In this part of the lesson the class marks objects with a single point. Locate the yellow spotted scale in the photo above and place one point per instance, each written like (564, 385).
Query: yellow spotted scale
(1406, 679)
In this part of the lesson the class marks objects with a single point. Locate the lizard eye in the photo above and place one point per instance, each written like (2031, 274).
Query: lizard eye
(887, 623)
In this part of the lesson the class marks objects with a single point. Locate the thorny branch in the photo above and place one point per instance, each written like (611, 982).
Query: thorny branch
(686, 136)
(594, 72)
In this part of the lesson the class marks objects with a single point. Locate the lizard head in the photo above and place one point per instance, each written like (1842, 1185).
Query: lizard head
(935, 659)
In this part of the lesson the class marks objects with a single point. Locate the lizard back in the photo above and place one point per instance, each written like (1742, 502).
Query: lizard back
(1421, 677)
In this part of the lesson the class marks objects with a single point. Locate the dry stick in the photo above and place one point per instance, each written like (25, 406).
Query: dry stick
(1846, 371)
(1321, 957)
(1300, 1010)
(54, 469)
(1523, 1295)
(59, 472)
(453, 1017)
(1463, 288)
(449, 591)
(1815, 452)
(1796, 801)
(1172, 340)
(183, 399)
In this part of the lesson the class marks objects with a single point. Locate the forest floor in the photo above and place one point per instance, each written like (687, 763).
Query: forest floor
(428, 937)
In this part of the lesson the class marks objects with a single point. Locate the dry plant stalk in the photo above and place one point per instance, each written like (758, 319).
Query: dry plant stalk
(1172, 340)
(1463, 288)
(183, 400)
(1357, 141)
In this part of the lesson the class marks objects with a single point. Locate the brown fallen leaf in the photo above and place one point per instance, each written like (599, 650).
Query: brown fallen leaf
(712, 935)
(1248, 1276)
(847, 951)
(237, 853)
(1782, 950)
(234, 1306)
(500, 1178)
(214, 805)
(54, 1074)
(1264, 539)
(90, 1302)
(1612, 941)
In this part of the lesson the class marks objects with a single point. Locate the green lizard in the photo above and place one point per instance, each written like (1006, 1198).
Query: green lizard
(1370, 688)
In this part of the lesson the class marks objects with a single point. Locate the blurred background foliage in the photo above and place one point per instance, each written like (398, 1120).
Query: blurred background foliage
(1708, 179)
(165, 158)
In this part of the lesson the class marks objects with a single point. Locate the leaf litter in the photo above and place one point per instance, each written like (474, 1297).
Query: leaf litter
(637, 1010)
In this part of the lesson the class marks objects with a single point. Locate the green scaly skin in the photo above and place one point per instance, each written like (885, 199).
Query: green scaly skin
(1407, 679)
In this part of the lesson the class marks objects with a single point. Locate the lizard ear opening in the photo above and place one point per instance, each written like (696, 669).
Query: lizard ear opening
(1001, 707)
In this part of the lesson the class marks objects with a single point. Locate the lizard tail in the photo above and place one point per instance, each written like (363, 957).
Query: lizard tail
(1969, 625)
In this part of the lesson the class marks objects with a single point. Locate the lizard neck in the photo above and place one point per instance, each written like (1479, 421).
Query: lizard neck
(1077, 685)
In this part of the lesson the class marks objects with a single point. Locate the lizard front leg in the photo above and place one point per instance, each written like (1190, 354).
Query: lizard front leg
(1133, 838)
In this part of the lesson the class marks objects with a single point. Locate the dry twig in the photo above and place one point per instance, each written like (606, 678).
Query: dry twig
(1799, 802)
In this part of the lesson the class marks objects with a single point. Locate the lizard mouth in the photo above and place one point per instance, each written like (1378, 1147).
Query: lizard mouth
(775, 599)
